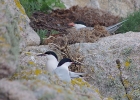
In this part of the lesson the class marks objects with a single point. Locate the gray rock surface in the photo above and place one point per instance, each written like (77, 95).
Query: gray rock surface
(13, 90)
(116, 7)
(9, 40)
(28, 36)
(117, 80)
(14, 32)
(29, 55)
(112, 64)
(114, 80)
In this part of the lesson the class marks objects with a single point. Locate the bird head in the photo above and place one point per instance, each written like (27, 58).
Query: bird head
(67, 62)
(77, 24)
(50, 55)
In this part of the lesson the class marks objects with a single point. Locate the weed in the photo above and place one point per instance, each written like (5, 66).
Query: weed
(132, 24)
(54, 32)
(32, 6)
(42, 34)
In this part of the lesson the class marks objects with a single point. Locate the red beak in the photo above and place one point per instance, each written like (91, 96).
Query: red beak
(71, 24)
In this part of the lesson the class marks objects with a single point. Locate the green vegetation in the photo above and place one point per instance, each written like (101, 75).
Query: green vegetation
(54, 32)
(132, 24)
(42, 34)
(32, 6)
(45, 6)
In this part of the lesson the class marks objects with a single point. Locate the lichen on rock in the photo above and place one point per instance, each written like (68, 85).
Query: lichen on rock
(9, 41)
(14, 90)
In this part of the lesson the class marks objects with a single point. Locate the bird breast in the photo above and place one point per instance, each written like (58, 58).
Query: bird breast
(51, 65)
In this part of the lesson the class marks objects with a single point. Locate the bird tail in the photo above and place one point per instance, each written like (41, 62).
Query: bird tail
(113, 28)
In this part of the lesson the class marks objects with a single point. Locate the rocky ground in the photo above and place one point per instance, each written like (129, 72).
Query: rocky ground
(111, 62)
(58, 19)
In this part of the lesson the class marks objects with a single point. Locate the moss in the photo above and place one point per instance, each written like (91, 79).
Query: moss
(37, 72)
(130, 97)
(80, 82)
(19, 6)
(126, 83)
(2, 39)
(127, 64)
(21, 29)
(31, 63)
(109, 98)
(28, 74)
(2, 1)
(79, 88)
(59, 90)
(12, 35)
(28, 53)
(9, 40)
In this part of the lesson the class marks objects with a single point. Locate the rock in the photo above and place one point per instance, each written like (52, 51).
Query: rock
(29, 57)
(83, 35)
(116, 7)
(113, 64)
(14, 90)
(9, 39)
(49, 87)
(28, 36)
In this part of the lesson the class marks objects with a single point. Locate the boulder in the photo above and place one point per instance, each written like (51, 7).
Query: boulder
(116, 7)
(14, 90)
(29, 57)
(28, 36)
(45, 85)
(113, 64)
(9, 39)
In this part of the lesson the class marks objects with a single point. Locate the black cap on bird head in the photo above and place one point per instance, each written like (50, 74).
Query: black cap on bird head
(80, 22)
(64, 60)
(49, 53)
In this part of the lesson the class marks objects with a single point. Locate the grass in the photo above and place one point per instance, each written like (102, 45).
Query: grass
(42, 34)
(132, 24)
(46, 6)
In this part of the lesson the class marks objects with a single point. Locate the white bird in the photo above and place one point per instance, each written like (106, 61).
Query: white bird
(78, 25)
(52, 60)
(62, 70)
(52, 63)
(110, 29)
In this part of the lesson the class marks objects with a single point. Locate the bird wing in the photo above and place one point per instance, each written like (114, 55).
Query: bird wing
(79, 26)
(113, 28)
(75, 75)
(62, 74)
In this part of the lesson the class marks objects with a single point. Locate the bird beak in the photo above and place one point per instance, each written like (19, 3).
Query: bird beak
(42, 54)
(71, 24)
(76, 63)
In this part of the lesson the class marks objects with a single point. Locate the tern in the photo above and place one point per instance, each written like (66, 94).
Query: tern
(52, 63)
(77, 25)
(111, 29)
(62, 70)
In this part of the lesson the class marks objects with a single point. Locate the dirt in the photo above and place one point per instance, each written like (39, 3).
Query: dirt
(58, 19)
